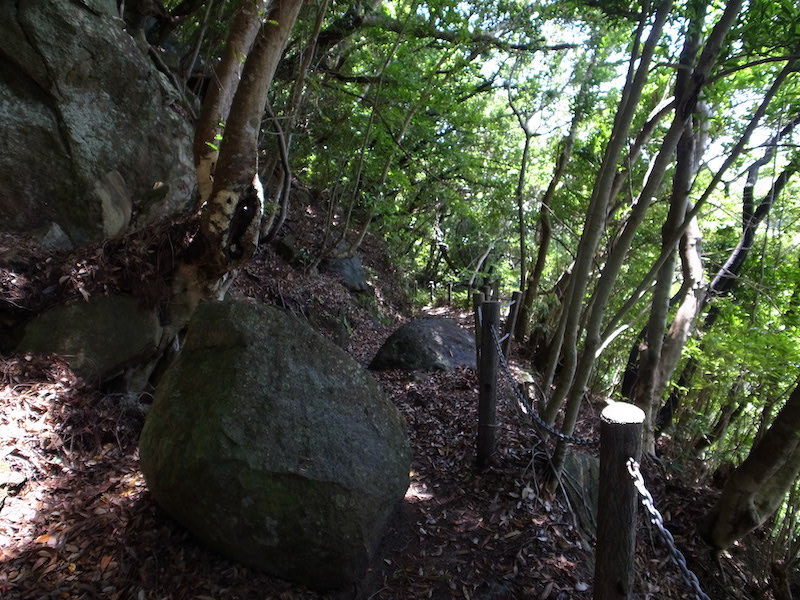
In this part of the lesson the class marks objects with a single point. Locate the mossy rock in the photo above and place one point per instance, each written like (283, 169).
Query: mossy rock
(274, 447)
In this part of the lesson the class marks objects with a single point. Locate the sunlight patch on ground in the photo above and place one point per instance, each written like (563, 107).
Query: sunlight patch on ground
(418, 492)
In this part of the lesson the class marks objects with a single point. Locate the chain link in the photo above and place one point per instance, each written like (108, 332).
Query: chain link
(657, 520)
(529, 411)
(633, 469)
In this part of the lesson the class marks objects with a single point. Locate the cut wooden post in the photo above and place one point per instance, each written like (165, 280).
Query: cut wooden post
(487, 384)
(620, 439)
(449, 293)
(511, 322)
(477, 300)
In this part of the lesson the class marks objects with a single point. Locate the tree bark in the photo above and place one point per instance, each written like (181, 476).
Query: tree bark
(790, 67)
(217, 103)
(681, 186)
(572, 387)
(523, 244)
(230, 218)
(567, 335)
(722, 283)
(271, 224)
(758, 486)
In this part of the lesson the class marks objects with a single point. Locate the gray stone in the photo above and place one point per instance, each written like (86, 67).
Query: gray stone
(98, 338)
(69, 119)
(274, 447)
(53, 238)
(427, 344)
(350, 271)
(115, 202)
(581, 482)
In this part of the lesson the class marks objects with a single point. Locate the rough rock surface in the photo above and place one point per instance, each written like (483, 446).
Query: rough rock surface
(582, 483)
(350, 271)
(80, 106)
(98, 338)
(426, 345)
(274, 447)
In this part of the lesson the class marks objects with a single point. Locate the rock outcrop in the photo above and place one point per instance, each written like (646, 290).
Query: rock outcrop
(274, 447)
(93, 130)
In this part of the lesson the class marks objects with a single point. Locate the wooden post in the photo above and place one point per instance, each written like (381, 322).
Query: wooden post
(449, 293)
(487, 384)
(477, 300)
(487, 292)
(511, 322)
(620, 439)
(432, 287)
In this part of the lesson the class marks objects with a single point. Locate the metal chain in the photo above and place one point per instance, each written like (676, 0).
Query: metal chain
(657, 520)
(633, 469)
(525, 402)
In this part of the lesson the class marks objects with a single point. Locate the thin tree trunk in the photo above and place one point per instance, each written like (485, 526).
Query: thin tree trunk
(229, 220)
(732, 155)
(645, 388)
(531, 287)
(217, 103)
(722, 284)
(565, 345)
(733, 408)
(572, 388)
(523, 244)
(271, 226)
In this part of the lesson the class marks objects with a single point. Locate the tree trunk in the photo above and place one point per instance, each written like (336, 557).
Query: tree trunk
(757, 487)
(520, 196)
(659, 358)
(230, 218)
(730, 412)
(531, 287)
(725, 278)
(217, 103)
(572, 384)
(567, 335)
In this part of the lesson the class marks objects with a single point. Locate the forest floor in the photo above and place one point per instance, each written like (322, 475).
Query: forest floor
(77, 521)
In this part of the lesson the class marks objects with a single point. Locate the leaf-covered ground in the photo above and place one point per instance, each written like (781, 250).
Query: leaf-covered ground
(77, 521)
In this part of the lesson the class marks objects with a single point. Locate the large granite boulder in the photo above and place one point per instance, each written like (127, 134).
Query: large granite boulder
(98, 338)
(95, 131)
(425, 345)
(274, 447)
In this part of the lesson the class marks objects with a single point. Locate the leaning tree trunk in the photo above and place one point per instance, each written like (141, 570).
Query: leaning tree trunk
(658, 359)
(564, 346)
(757, 487)
(217, 103)
(573, 387)
(231, 214)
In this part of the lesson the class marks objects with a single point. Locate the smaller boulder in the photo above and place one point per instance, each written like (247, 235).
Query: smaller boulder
(425, 345)
(350, 271)
(52, 238)
(98, 338)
